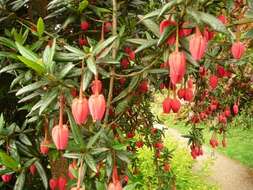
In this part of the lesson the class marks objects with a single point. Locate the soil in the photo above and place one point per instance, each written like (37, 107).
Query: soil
(228, 174)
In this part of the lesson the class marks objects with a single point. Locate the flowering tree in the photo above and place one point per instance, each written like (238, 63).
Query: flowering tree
(85, 72)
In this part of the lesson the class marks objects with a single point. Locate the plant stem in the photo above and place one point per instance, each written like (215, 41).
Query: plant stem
(114, 54)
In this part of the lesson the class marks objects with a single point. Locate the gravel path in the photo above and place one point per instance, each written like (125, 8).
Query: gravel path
(227, 173)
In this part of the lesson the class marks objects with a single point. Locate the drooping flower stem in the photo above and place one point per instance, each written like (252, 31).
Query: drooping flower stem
(177, 39)
(114, 55)
(81, 82)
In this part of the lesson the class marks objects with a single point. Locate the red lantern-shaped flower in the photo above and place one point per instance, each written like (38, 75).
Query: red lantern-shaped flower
(44, 146)
(60, 132)
(84, 26)
(166, 105)
(62, 182)
(238, 49)
(175, 105)
(80, 110)
(6, 178)
(33, 169)
(163, 25)
(198, 45)
(53, 183)
(97, 103)
(177, 64)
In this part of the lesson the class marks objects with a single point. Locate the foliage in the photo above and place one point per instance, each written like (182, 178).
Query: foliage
(53, 49)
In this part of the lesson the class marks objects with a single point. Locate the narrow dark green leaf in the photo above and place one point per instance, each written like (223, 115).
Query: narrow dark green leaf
(91, 64)
(8, 55)
(166, 33)
(66, 70)
(101, 46)
(151, 14)
(27, 53)
(100, 150)
(42, 174)
(20, 182)
(94, 139)
(47, 100)
(124, 156)
(29, 97)
(129, 89)
(7, 42)
(29, 162)
(8, 161)
(151, 25)
(31, 87)
(72, 155)
(122, 106)
(87, 76)
(138, 41)
(36, 66)
(74, 50)
(24, 139)
(11, 67)
(40, 27)
(90, 162)
(169, 5)
(147, 44)
(76, 132)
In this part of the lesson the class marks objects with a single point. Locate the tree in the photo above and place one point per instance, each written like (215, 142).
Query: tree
(85, 72)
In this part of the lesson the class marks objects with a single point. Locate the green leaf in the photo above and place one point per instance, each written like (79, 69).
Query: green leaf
(67, 68)
(47, 100)
(11, 67)
(31, 87)
(38, 67)
(87, 76)
(90, 162)
(30, 162)
(166, 33)
(151, 25)
(94, 139)
(100, 150)
(8, 161)
(48, 56)
(24, 139)
(132, 186)
(82, 5)
(138, 41)
(76, 132)
(169, 5)
(7, 42)
(72, 155)
(26, 53)
(91, 64)
(101, 46)
(40, 27)
(29, 97)
(123, 156)
(42, 174)
(8, 55)
(151, 14)
(20, 182)
(128, 90)
(147, 44)
(74, 50)
(212, 21)
(122, 106)
(248, 34)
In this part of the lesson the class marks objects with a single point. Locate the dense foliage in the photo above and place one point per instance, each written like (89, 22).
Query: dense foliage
(84, 73)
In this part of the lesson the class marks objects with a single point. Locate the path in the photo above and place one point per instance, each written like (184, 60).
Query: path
(227, 173)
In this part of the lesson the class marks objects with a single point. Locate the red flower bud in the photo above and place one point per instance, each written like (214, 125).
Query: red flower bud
(166, 105)
(84, 26)
(60, 135)
(198, 45)
(163, 25)
(202, 71)
(213, 81)
(143, 87)
(177, 62)
(227, 112)
(235, 109)
(188, 95)
(33, 169)
(175, 105)
(53, 183)
(80, 110)
(223, 19)
(6, 178)
(97, 106)
(83, 41)
(166, 167)
(124, 63)
(44, 147)
(238, 49)
(72, 167)
(62, 182)
(108, 27)
(139, 144)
